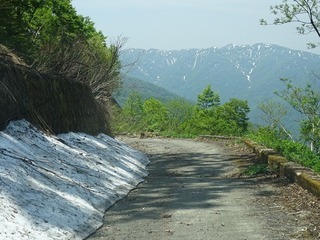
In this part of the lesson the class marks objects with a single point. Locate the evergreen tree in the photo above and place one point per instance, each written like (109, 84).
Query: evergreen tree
(208, 99)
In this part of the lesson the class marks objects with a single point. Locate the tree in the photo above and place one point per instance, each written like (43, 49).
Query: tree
(207, 102)
(179, 111)
(15, 30)
(133, 107)
(307, 102)
(208, 99)
(304, 12)
(155, 115)
(212, 118)
(26, 26)
(131, 117)
(232, 118)
(53, 38)
(274, 112)
(238, 111)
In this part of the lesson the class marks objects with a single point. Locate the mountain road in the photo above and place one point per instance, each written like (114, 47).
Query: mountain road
(195, 191)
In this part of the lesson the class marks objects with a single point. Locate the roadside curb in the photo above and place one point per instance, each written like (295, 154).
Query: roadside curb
(303, 176)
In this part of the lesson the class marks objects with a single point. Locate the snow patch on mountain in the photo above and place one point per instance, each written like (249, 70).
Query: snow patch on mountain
(226, 68)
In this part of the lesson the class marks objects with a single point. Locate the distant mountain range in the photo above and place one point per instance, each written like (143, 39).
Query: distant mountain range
(250, 72)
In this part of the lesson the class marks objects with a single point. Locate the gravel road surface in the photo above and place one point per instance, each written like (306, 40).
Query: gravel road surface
(193, 192)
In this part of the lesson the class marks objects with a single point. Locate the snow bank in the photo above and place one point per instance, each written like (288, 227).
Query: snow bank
(58, 187)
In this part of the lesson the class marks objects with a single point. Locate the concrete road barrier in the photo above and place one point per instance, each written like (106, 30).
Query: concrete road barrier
(303, 176)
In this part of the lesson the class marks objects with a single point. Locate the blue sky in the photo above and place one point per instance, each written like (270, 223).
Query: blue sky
(181, 24)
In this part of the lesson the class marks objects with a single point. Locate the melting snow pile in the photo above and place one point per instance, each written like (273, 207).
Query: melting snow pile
(58, 187)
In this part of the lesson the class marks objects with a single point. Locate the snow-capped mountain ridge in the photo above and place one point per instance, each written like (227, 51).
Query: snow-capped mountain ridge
(247, 65)
(249, 72)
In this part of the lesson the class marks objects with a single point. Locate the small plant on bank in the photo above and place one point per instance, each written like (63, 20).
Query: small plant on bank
(257, 169)
(293, 151)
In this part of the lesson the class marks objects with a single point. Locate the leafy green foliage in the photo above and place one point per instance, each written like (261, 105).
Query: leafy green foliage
(294, 151)
(179, 112)
(257, 169)
(155, 115)
(273, 114)
(29, 25)
(53, 38)
(133, 108)
(304, 100)
(307, 102)
(237, 110)
(180, 118)
(304, 12)
(227, 119)
(130, 118)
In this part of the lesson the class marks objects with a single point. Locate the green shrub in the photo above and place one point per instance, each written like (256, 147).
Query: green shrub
(293, 151)
(257, 169)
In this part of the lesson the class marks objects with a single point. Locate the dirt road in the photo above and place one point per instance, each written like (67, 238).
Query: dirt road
(191, 194)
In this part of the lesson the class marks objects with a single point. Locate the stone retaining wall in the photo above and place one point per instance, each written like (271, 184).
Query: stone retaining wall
(303, 176)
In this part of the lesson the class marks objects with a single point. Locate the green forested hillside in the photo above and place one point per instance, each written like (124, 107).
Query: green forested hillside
(177, 117)
(145, 89)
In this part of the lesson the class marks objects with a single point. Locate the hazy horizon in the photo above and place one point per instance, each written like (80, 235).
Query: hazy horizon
(187, 24)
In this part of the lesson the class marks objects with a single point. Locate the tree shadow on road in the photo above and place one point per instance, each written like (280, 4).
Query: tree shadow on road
(176, 182)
